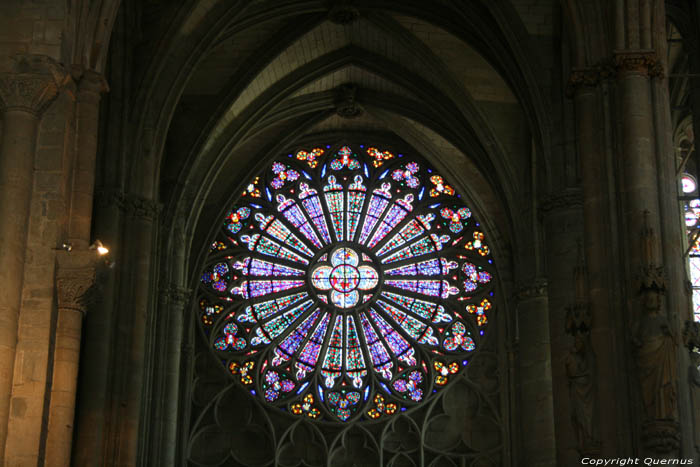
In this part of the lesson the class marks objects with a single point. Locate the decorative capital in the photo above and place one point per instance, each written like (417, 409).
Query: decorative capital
(566, 199)
(136, 206)
(662, 436)
(346, 104)
(536, 288)
(643, 62)
(177, 295)
(589, 77)
(75, 280)
(30, 82)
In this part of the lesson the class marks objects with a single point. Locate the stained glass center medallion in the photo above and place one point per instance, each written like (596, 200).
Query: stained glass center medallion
(347, 283)
(348, 278)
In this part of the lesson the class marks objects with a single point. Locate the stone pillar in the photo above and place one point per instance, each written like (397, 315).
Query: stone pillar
(90, 86)
(136, 314)
(28, 84)
(655, 343)
(563, 213)
(591, 92)
(75, 276)
(537, 417)
(174, 301)
(97, 362)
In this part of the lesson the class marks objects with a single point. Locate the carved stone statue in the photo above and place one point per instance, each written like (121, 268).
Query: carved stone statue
(656, 359)
(580, 371)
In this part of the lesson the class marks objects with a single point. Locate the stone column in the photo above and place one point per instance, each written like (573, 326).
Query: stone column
(563, 213)
(94, 413)
(591, 91)
(175, 300)
(28, 84)
(75, 276)
(537, 413)
(655, 343)
(136, 315)
(90, 86)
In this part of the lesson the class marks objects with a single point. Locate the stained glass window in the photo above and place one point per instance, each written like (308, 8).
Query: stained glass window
(347, 283)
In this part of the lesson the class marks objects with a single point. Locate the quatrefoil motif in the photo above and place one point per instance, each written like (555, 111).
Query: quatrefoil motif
(407, 175)
(283, 174)
(410, 385)
(234, 219)
(474, 277)
(275, 385)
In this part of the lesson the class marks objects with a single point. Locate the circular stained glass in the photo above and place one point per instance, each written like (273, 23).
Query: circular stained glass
(347, 283)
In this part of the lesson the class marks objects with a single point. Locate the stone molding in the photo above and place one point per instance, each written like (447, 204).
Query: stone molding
(137, 206)
(643, 62)
(132, 205)
(30, 82)
(589, 77)
(75, 279)
(176, 295)
(566, 199)
(534, 289)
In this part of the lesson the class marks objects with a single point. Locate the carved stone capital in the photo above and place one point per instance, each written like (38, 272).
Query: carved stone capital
(30, 82)
(661, 436)
(346, 104)
(177, 296)
(643, 62)
(75, 279)
(136, 206)
(589, 77)
(566, 199)
(536, 288)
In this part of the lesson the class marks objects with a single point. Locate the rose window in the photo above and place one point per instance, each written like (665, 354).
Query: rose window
(347, 283)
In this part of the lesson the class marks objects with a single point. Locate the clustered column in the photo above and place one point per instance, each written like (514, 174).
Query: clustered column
(28, 84)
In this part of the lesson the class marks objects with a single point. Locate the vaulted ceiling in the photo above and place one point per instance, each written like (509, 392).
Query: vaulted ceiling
(234, 84)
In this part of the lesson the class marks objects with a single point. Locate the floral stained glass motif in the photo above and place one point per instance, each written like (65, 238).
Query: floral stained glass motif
(347, 283)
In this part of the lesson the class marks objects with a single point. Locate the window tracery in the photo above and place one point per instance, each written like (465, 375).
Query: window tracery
(347, 283)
